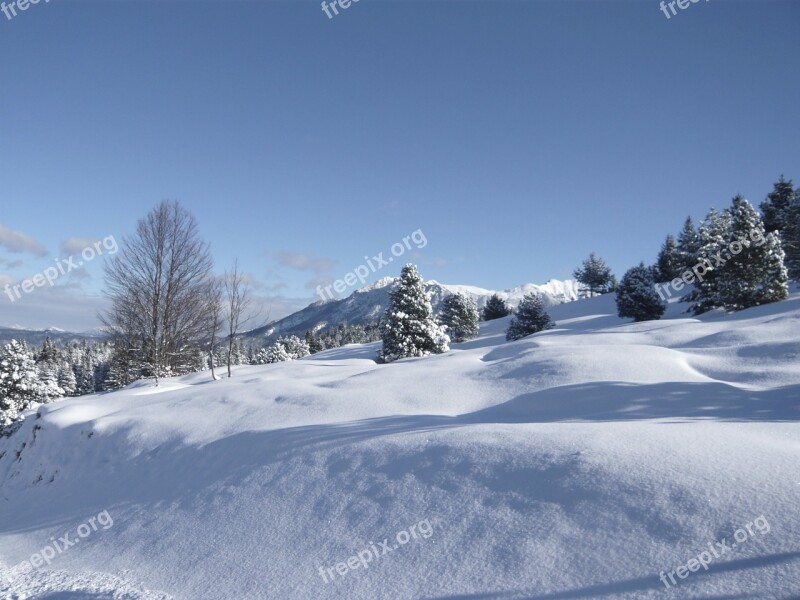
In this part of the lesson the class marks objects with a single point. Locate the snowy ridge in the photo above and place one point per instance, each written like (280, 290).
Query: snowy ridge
(367, 305)
(37, 336)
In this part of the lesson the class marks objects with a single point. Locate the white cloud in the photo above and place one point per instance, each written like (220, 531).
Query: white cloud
(16, 241)
(322, 280)
(57, 306)
(75, 245)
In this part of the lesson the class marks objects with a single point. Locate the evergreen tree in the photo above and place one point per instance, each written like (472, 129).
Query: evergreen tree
(459, 317)
(19, 386)
(775, 208)
(66, 378)
(669, 264)
(689, 245)
(47, 371)
(48, 353)
(713, 236)
(101, 370)
(595, 275)
(637, 297)
(47, 376)
(495, 308)
(340, 335)
(529, 318)
(84, 373)
(343, 334)
(238, 354)
(272, 354)
(409, 328)
(754, 274)
(124, 366)
(790, 238)
(295, 347)
(355, 335)
(284, 349)
(314, 344)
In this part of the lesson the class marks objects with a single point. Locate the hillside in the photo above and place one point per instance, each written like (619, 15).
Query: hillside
(367, 305)
(581, 462)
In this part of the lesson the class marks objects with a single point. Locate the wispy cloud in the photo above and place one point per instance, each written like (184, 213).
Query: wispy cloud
(11, 264)
(322, 280)
(78, 275)
(274, 287)
(305, 262)
(16, 241)
(275, 307)
(59, 306)
(75, 245)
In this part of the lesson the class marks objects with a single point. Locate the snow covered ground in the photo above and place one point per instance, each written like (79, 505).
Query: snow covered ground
(588, 461)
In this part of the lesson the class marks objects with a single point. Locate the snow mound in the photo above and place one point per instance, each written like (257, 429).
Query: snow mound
(582, 462)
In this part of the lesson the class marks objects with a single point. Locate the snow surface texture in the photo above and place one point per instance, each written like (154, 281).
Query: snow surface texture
(581, 462)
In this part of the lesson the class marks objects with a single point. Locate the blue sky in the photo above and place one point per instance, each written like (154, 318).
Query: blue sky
(518, 136)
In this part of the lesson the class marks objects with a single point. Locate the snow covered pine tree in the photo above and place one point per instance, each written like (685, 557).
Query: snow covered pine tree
(19, 385)
(712, 236)
(688, 245)
(637, 297)
(669, 262)
(781, 213)
(755, 273)
(530, 318)
(409, 328)
(460, 317)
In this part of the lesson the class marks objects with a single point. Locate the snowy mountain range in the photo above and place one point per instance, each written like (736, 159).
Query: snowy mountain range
(367, 305)
(35, 337)
(362, 307)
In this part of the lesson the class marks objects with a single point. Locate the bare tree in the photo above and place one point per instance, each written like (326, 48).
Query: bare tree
(157, 286)
(237, 299)
(215, 317)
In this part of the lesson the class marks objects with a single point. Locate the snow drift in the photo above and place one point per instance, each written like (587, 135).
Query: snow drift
(582, 462)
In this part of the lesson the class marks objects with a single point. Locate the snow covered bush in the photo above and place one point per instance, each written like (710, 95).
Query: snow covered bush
(272, 354)
(460, 317)
(19, 384)
(530, 318)
(286, 348)
(409, 328)
(294, 346)
(637, 297)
